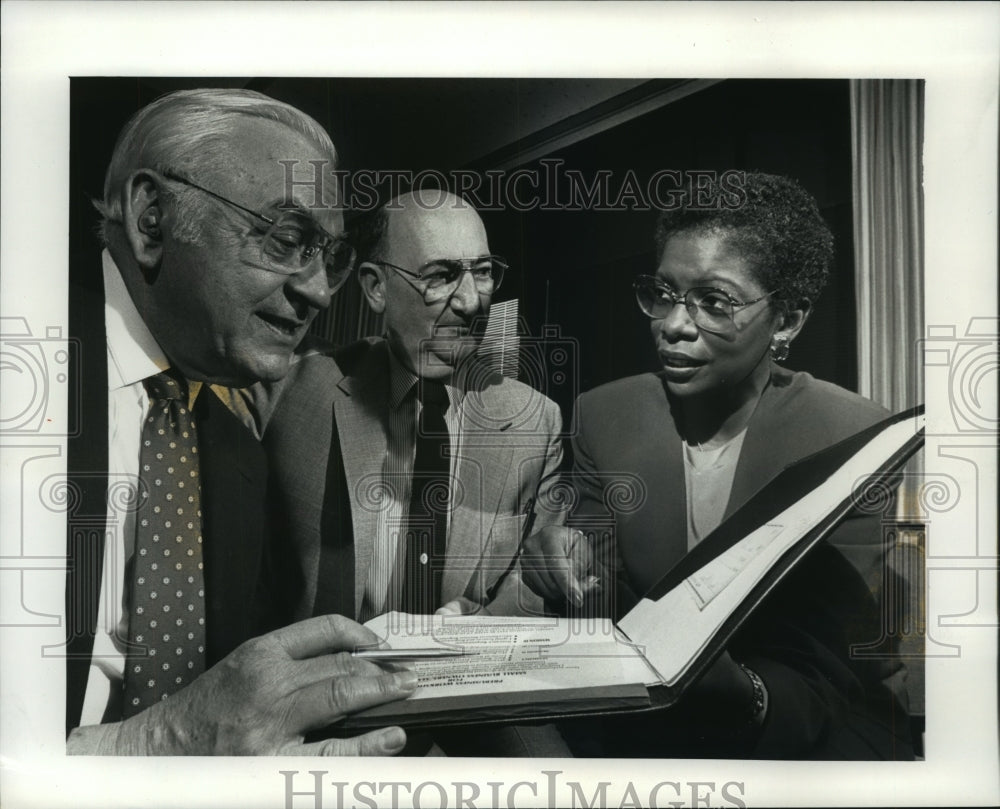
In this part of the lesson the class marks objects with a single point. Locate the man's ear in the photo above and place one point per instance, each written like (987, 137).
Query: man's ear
(142, 219)
(372, 279)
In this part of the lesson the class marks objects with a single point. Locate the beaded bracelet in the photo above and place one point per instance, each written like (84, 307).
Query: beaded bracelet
(759, 696)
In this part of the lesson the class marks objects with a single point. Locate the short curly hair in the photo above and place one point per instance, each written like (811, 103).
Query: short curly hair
(777, 228)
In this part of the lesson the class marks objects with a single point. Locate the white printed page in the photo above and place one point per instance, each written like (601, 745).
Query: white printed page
(513, 654)
(674, 629)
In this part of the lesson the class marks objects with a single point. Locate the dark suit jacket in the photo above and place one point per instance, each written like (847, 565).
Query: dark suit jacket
(238, 601)
(822, 703)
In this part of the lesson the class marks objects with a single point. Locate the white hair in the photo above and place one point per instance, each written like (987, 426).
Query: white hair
(187, 129)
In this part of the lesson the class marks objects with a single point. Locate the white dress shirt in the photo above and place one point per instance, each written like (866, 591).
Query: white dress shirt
(133, 355)
(384, 586)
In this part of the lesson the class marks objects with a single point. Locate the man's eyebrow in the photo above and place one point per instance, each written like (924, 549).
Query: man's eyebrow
(287, 203)
(283, 205)
(483, 257)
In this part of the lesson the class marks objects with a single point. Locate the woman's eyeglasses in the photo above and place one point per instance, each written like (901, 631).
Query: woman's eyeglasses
(710, 309)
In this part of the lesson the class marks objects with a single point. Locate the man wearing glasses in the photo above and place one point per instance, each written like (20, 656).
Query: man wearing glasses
(435, 466)
(211, 276)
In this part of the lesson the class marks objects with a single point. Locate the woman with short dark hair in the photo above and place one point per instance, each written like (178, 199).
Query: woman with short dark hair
(732, 289)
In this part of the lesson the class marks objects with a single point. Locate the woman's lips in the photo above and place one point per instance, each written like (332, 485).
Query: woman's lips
(672, 359)
(679, 367)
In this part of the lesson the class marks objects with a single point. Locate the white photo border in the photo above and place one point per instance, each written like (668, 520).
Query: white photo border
(955, 47)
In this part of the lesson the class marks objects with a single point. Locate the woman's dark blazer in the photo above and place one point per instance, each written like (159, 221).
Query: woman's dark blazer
(824, 701)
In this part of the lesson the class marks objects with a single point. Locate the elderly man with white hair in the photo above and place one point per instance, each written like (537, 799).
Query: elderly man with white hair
(214, 267)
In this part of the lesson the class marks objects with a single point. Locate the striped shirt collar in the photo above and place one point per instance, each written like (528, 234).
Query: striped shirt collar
(402, 380)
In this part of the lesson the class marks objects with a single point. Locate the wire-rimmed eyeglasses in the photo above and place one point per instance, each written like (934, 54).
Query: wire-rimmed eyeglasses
(710, 309)
(292, 241)
(438, 279)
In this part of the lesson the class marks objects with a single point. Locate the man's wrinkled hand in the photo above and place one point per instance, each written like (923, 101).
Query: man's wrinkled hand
(557, 564)
(264, 697)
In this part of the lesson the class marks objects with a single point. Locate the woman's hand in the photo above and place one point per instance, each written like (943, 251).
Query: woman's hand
(727, 694)
(557, 562)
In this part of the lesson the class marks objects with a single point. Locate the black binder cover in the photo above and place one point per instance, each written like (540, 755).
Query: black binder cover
(785, 489)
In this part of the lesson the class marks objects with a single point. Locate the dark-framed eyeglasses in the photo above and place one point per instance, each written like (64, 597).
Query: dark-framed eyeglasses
(710, 309)
(438, 279)
(291, 241)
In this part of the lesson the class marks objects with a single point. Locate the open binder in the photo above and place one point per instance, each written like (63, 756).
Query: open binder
(668, 640)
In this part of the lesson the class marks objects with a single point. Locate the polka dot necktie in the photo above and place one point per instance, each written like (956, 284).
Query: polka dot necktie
(167, 619)
(427, 518)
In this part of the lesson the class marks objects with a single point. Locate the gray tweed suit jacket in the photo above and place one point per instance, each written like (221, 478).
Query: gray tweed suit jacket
(325, 428)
